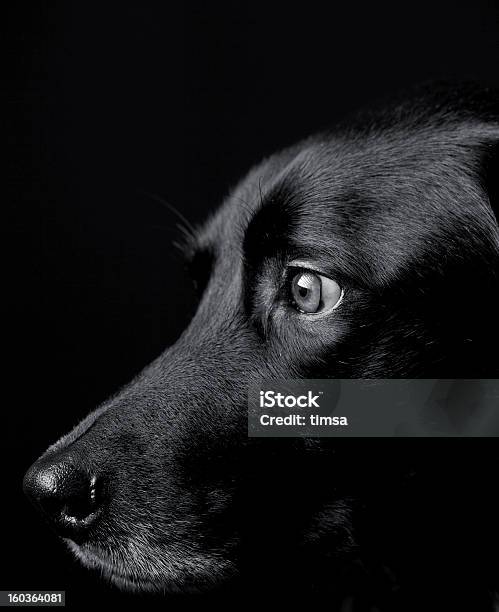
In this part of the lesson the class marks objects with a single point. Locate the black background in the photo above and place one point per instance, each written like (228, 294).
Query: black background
(108, 103)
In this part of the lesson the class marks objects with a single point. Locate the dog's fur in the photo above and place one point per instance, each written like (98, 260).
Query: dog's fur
(397, 205)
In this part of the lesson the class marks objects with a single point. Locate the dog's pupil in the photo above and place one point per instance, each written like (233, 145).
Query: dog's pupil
(303, 291)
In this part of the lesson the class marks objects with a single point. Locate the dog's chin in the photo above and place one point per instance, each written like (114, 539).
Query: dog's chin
(194, 575)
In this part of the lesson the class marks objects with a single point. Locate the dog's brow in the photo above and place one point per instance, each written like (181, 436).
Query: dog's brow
(271, 220)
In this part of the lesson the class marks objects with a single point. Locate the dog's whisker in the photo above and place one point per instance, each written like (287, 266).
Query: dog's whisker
(185, 225)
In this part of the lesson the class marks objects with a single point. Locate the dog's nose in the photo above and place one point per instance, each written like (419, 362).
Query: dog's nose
(66, 494)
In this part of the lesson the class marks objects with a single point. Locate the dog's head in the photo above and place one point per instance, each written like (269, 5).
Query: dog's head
(368, 251)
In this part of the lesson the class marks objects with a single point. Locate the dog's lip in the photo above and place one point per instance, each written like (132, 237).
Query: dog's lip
(94, 558)
(91, 554)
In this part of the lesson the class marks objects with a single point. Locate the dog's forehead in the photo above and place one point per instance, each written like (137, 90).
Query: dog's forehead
(357, 191)
(229, 223)
(308, 172)
(328, 169)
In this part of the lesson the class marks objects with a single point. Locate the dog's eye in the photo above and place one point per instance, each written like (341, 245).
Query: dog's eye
(314, 293)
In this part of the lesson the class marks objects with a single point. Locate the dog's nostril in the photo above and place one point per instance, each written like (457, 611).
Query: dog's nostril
(66, 494)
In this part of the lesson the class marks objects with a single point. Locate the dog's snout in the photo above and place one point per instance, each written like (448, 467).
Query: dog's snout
(66, 494)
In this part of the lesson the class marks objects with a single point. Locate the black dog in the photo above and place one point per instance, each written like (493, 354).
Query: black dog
(370, 251)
